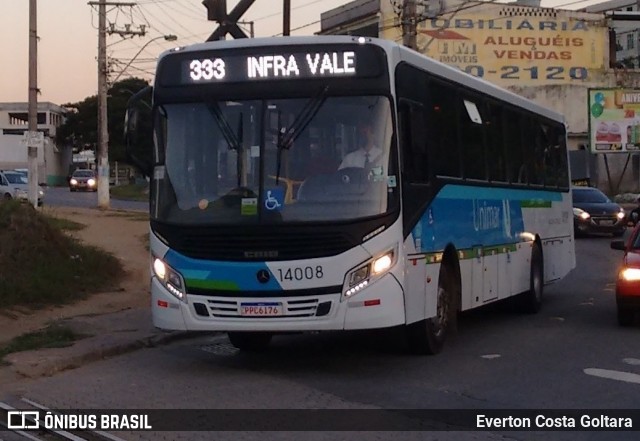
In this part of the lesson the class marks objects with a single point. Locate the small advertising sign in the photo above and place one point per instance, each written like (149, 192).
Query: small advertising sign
(614, 120)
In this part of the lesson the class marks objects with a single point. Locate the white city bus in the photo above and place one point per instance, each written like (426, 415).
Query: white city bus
(268, 217)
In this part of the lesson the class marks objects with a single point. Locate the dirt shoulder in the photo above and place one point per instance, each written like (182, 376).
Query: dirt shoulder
(125, 235)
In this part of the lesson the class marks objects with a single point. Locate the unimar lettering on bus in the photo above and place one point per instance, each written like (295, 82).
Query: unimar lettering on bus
(485, 217)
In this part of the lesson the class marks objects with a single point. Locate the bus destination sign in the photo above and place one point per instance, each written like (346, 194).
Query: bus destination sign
(269, 67)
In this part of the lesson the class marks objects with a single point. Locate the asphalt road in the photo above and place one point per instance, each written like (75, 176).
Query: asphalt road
(61, 196)
(572, 355)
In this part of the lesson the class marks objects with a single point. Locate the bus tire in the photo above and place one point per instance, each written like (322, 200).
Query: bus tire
(531, 300)
(428, 336)
(250, 341)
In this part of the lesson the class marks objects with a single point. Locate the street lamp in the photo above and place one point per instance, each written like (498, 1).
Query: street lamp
(166, 37)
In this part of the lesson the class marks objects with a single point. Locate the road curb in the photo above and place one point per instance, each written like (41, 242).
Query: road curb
(48, 362)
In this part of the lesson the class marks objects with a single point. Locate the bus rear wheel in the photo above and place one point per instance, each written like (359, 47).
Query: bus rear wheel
(530, 301)
(428, 336)
(250, 341)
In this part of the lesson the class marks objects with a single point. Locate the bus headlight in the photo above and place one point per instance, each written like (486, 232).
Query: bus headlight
(361, 276)
(170, 278)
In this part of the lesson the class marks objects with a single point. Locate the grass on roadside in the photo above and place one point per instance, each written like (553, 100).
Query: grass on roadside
(41, 265)
(130, 192)
(63, 224)
(54, 336)
(132, 215)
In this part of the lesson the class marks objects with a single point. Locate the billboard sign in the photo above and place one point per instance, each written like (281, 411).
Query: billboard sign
(614, 120)
(512, 46)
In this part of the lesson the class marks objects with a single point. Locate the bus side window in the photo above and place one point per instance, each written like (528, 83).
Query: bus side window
(443, 119)
(534, 150)
(414, 142)
(496, 154)
(516, 164)
(471, 129)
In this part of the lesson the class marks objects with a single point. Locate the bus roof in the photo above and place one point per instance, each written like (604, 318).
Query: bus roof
(396, 52)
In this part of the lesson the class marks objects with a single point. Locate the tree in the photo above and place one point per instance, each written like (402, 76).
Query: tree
(80, 129)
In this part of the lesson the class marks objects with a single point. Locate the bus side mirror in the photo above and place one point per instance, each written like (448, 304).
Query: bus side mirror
(138, 131)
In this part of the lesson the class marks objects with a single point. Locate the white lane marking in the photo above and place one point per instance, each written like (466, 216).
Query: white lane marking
(558, 319)
(627, 377)
(631, 361)
(491, 356)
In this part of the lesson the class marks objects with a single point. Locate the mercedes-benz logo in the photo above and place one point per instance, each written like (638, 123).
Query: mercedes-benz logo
(263, 276)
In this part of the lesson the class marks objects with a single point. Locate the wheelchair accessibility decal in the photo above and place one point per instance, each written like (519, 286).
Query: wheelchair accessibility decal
(274, 199)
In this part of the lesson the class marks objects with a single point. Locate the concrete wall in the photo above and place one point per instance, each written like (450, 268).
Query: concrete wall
(52, 161)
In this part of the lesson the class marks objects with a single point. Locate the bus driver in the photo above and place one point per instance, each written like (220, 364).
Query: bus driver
(367, 154)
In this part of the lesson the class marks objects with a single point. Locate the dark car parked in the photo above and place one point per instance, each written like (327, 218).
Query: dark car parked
(594, 212)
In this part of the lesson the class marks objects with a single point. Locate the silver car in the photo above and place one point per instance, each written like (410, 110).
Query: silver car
(15, 185)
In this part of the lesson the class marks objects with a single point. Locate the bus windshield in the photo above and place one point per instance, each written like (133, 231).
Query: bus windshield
(318, 158)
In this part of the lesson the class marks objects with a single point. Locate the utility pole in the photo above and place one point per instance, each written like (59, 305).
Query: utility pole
(103, 133)
(103, 71)
(32, 145)
(409, 22)
(286, 18)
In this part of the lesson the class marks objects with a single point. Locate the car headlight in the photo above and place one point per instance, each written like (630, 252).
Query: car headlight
(578, 212)
(620, 214)
(73, 182)
(40, 193)
(170, 278)
(91, 182)
(361, 276)
(630, 274)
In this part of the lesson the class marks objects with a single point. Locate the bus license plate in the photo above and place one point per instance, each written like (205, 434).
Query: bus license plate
(261, 309)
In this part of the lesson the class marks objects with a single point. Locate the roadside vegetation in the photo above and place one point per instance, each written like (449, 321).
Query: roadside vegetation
(41, 265)
(131, 192)
(54, 336)
(63, 224)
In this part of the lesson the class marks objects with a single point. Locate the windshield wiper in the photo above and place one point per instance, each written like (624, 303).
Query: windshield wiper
(227, 132)
(306, 115)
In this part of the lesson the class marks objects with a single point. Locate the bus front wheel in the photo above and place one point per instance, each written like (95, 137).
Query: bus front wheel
(428, 336)
(250, 341)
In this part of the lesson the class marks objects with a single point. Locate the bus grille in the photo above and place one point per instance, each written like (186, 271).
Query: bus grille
(293, 308)
(250, 246)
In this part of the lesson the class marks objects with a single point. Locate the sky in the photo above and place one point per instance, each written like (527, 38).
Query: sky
(68, 46)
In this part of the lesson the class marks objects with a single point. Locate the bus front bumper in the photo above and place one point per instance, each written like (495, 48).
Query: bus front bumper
(380, 305)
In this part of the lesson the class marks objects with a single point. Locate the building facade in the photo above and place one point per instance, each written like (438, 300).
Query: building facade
(53, 161)
(627, 32)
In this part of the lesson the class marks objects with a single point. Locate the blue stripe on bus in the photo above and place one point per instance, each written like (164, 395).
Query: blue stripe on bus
(466, 192)
(472, 216)
(231, 276)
